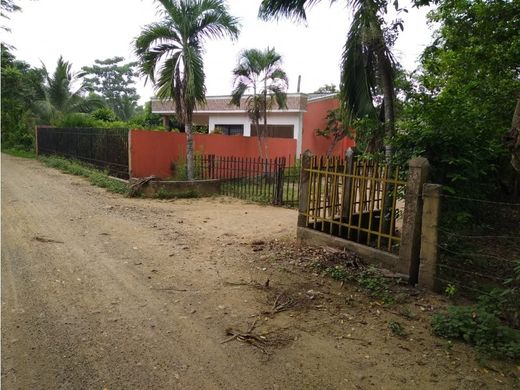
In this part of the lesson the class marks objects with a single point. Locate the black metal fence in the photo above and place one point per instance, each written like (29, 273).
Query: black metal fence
(103, 148)
(274, 181)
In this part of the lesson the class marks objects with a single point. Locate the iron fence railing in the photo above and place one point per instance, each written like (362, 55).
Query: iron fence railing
(104, 148)
(274, 181)
(360, 201)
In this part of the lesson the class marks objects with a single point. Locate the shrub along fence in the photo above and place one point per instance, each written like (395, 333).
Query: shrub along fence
(103, 148)
(273, 181)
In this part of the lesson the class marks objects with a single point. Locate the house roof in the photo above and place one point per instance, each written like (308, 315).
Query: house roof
(296, 102)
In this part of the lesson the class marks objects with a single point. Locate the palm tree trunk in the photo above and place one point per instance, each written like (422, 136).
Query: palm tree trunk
(387, 84)
(189, 149)
(265, 117)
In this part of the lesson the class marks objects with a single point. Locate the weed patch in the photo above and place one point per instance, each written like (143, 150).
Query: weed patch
(95, 176)
(19, 153)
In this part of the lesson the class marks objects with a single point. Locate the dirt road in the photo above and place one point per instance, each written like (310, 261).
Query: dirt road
(105, 292)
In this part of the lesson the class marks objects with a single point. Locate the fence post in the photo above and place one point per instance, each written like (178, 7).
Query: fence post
(279, 180)
(129, 154)
(409, 250)
(36, 146)
(347, 185)
(430, 236)
(303, 202)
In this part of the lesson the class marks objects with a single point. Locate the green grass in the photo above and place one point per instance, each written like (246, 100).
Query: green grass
(165, 194)
(19, 153)
(95, 176)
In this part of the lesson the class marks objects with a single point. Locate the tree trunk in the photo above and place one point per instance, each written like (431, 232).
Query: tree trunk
(387, 84)
(265, 118)
(189, 149)
(513, 138)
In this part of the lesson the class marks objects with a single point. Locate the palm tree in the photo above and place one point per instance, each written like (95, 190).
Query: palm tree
(64, 93)
(260, 72)
(367, 62)
(170, 54)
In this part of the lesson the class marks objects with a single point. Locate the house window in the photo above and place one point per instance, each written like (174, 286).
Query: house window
(276, 131)
(231, 129)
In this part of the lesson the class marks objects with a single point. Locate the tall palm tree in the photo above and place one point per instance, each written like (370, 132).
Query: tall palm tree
(170, 54)
(260, 71)
(367, 61)
(64, 93)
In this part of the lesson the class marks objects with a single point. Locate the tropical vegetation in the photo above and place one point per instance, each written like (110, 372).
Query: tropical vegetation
(170, 54)
(261, 73)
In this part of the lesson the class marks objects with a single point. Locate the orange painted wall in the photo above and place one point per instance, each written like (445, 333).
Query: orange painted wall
(315, 118)
(152, 152)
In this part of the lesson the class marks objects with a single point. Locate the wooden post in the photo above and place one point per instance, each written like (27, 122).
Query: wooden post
(304, 188)
(409, 250)
(347, 185)
(430, 236)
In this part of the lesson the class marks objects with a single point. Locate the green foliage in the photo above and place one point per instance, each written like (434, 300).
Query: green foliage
(114, 81)
(104, 114)
(478, 327)
(170, 53)
(86, 120)
(397, 329)
(327, 88)
(450, 290)
(463, 100)
(163, 193)
(19, 153)
(370, 279)
(63, 93)
(146, 120)
(95, 176)
(260, 72)
(21, 86)
(485, 324)
(336, 128)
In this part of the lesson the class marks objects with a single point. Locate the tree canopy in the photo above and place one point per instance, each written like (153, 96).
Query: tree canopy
(114, 81)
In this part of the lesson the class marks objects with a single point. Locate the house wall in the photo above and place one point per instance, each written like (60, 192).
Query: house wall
(315, 118)
(288, 118)
(152, 152)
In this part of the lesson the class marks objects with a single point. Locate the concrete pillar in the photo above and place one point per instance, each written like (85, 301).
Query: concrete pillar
(166, 122)
(409, 250)
(430, 236)
(304, 188)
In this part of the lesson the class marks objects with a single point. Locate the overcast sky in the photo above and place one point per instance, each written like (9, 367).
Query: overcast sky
(83, 31)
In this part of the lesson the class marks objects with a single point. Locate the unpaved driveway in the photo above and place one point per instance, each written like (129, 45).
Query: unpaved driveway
(100, 291)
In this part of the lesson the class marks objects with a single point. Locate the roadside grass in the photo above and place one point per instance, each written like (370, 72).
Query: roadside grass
(95, 176)
(19, 153)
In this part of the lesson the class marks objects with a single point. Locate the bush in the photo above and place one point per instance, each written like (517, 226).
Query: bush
(489, 324)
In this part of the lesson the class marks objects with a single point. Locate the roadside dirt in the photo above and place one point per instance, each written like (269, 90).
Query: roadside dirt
(105, 292)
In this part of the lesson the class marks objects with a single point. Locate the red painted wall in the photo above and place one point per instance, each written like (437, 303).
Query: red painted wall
(315, 118)
(152, 152)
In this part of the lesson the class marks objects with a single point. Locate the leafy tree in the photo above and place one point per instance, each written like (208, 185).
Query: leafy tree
(7, 7)
(21, 86)
(114, 82)
(327, 88)
(260, 72)
(64, 93)
(367, 62)
(170, 54)
(464, 98)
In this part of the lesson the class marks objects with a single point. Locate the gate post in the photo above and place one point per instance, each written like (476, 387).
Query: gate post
(303, 201)
(409, 250)
(430, 236)
(280, 168)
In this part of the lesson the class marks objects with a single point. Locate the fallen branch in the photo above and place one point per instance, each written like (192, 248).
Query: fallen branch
(246, 337)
